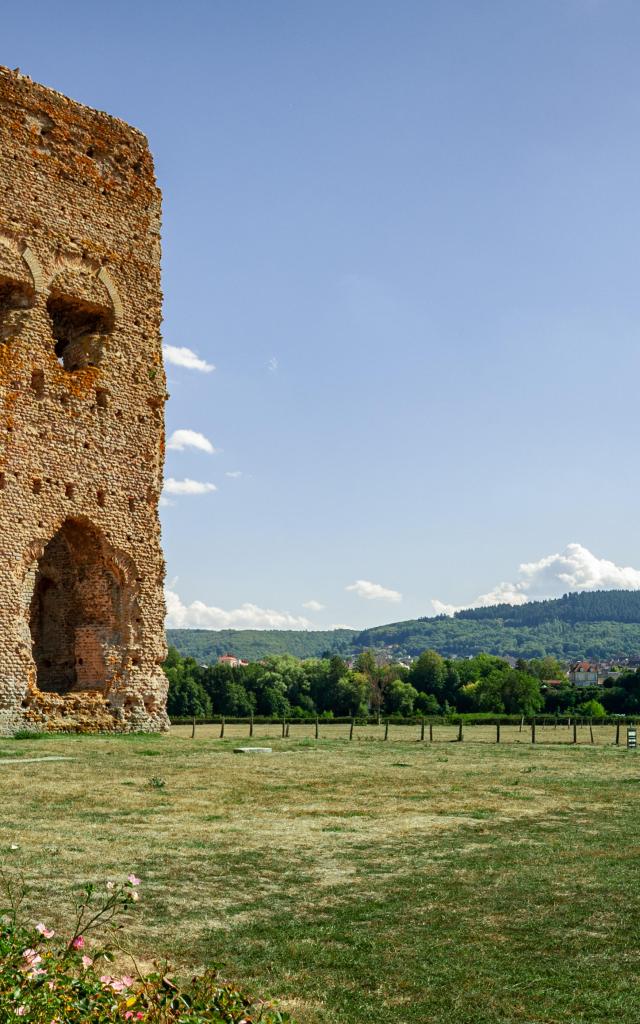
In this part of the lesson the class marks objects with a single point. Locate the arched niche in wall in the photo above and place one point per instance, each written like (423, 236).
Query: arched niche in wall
(82, 316)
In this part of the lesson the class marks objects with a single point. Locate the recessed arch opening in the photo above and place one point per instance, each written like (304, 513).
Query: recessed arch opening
(79, 612)
(79, 329)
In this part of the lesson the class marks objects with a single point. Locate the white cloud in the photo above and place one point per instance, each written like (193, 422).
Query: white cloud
(374, 591)
(272, 365)
(187, 486)
(575, 569)
(181, 439)
(234, 474)
(185, 357)
(313, 606)
(199, 615)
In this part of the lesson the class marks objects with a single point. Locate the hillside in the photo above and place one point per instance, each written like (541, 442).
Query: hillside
(598, 624)
(205, 645)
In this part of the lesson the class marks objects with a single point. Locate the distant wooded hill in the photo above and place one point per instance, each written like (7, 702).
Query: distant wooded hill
(205, 645)
(599, 624)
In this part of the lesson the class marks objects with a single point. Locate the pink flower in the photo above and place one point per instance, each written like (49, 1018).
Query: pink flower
(78, 942)
(135, 897)
(20, 1012)
(117, 984)
(86, 962)
(47, 933)
(36, 972)
(139, 1015)
(32, 957)
(128, 1015)
(133, 880)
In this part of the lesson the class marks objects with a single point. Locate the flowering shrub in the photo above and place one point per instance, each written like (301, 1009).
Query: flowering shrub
(47, 978)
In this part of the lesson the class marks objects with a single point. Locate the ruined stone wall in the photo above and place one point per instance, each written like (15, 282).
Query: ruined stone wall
(82, 392)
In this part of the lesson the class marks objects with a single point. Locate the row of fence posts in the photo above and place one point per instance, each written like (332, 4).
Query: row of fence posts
(285, 729)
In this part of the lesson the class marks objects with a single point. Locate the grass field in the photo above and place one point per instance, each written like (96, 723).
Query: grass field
(357, 882)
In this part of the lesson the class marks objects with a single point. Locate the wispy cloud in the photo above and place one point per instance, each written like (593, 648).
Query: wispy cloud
(272, 365)
(181, 439)
(575, 569)
(374, 591)
(187, 358)
(187, 486)
(313, 606)
(199, 615)
(234, 474)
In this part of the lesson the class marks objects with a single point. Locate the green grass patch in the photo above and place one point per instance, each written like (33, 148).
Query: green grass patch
(357, 882)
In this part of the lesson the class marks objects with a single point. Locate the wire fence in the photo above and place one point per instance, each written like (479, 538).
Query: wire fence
(561, 730)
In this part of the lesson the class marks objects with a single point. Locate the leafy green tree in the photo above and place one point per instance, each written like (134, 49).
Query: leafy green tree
(226, 689)
(592, 709)
(352, 694)
(378, 678)
(500, 691)
(187, 698)
(482, 695)
(399, 698)
(187, 695)
(428, 673)
(521, 693)
(426, 704)
(560, 699)
(547, 668)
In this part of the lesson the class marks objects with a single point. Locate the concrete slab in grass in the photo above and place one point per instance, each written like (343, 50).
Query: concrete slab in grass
(252, 750)
(32, 760)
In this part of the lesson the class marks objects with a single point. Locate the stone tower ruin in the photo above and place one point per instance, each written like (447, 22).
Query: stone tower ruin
(82, 392)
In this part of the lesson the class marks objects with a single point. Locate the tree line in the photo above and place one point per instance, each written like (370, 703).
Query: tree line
(283, 685)
(588, 606)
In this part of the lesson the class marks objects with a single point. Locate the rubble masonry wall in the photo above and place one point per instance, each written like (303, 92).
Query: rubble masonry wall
(82, 392)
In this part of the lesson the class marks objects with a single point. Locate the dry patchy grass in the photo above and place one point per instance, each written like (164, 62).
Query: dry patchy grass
(396, 882)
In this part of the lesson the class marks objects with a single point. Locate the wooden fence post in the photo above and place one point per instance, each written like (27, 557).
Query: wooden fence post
(430, 732)
(251, 725)
(386, 729)
(497, 732)
(284, 727)
(422, 730)
(521, 724)
(618, 733)
(353, 722)
(575, 730)
(533, 729)
(222, 728)
(460, 732)
(193, 727)
(591, 729)
(317, 728)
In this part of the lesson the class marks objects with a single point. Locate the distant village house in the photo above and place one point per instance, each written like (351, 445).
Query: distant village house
(231, 660)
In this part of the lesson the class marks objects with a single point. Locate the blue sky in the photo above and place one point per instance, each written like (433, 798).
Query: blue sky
(406, 235)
